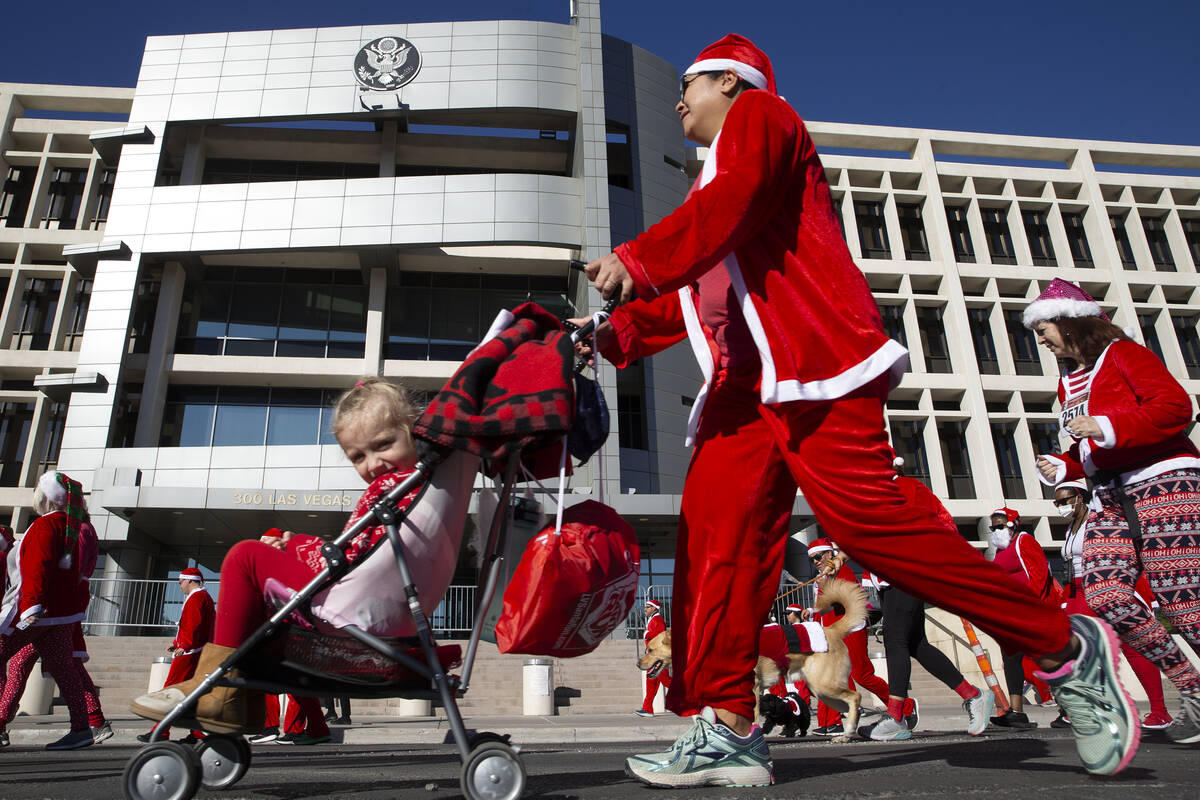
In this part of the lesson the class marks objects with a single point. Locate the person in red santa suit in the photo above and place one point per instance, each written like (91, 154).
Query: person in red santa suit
(20, 666)
(753, 270)
(1127, 418)
(42, 603)
(832, 565)
(654, 626)
(195, 630)
(1019, 554)
(1071, 501)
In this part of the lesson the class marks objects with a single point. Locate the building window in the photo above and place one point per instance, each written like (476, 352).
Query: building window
(65, 198)
(1044, 437)
(52, 441)
(933, 339)
(145, 306)
(1146, 322)
(953, 438)
(893, 323)
(1081, 253)
(15, 421)
(1191, 234)
(981, 337)
(872, 232)
(77, 317)
(908, 440)
(620, 154)
(269, 311)
(35, 318)
(261, 170)
(960, 234)
(128, 401)
(912, 231)
(999, 240)
(1189, 342)
(1003, 437)
(440, 316)
(104, 191)
(14, 202)
(1023, 344)
(1037, 231)
(631, 407)
(1156, 238)
(239, 416)
(1124, 248)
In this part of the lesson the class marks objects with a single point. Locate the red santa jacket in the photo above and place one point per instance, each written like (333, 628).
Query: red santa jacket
(195, 623)
(1142, 412)
(762, 209)
(654, 626)
(44, 583)
(1025, 561)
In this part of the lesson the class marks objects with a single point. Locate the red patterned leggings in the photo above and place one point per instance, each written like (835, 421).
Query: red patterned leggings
(1170, 555)
(20, 667)
(53, 643)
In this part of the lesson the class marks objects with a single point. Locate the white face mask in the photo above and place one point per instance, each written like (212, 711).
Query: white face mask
(1000, 539)
(1066, 510)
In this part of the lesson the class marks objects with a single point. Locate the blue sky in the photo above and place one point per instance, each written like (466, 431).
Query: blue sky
(1078, 68)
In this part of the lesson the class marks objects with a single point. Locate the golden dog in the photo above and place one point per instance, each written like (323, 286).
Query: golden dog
(827, 674)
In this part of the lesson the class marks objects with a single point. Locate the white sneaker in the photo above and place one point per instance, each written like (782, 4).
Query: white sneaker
(709, 754)
(979, 708)
(886, 730)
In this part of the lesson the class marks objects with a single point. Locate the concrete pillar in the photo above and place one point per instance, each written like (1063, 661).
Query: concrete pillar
(387, 149)
(162, 348)
(376, 300)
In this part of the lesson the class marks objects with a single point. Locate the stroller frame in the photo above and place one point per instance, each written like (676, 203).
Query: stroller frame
(229, 761)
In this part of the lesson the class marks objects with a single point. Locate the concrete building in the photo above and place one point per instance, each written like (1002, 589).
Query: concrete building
(272, 214)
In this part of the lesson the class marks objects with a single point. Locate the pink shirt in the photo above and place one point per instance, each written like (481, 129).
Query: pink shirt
(719, 311)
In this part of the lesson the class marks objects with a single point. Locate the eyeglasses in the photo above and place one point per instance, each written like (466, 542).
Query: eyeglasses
(687, 80)
(997, 527)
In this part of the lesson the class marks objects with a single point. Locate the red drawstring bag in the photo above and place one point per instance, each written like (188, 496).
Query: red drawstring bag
(573, 588)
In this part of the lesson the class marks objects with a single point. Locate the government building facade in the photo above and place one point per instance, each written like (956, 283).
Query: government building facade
(192, 268)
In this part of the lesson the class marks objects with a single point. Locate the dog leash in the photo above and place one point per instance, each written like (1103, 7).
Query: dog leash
(797, 588)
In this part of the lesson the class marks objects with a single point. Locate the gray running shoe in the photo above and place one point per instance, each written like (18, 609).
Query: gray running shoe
(1185, 728)
(73, 740)
(886, 730)
(978, 709)
(1102, 714)
(101, 732)
(709, 754)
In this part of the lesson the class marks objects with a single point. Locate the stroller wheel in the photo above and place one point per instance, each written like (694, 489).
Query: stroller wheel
(493, 771)
(162, 771)
(223, 760)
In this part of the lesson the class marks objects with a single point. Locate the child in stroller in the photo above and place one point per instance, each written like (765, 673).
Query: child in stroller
(372, 422)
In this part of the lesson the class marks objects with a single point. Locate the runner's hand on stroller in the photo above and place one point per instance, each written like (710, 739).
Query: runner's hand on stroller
(609, 275)
(278, 542)
(604, 337)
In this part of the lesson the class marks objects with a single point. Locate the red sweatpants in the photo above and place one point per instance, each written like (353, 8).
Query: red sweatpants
(244, 573)
(304, 715)
(652, 684)
(737, 503)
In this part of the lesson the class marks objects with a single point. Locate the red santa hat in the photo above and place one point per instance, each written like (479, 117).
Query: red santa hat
(192, 574)
(67, 494)
(819, 546)
(1013, 519)
(1061, 299)
(739, 54)
(793, 609)
(653, 603)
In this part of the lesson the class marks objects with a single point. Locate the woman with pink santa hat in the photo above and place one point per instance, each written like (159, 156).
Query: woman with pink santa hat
(1126, 416)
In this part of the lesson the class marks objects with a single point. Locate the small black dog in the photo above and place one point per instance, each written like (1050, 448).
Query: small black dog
(791, 713)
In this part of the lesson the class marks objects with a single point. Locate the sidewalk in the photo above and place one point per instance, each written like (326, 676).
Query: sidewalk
(566, 729)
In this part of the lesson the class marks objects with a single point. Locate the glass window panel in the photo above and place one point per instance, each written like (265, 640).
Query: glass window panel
(304, 312)
(348, 313)
(239, 425)
(293, 424)
(254, 311)
(212, 309)
(195, 425)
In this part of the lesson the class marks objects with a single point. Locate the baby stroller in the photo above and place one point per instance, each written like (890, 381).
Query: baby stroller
(513, 396)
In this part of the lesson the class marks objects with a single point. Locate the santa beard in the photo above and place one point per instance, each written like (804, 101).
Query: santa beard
(1001, 539)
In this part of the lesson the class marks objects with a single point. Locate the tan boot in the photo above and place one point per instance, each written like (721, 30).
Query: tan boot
(222, 710)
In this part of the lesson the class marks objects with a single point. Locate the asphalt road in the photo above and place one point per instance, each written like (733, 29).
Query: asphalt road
(997, 765)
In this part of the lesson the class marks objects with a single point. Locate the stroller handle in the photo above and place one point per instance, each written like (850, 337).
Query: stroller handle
(585, 330)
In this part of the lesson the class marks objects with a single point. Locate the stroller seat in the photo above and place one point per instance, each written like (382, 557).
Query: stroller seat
(341, 658)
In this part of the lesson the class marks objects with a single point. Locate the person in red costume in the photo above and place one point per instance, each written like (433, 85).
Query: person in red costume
(42, 603)
(1071, 500)
(752, 269)
(654, 626)
(1019, 554)
(193, 632)
(827, 558)
(1127, 418)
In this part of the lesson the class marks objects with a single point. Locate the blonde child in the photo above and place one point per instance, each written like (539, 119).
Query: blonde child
(373, 424)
